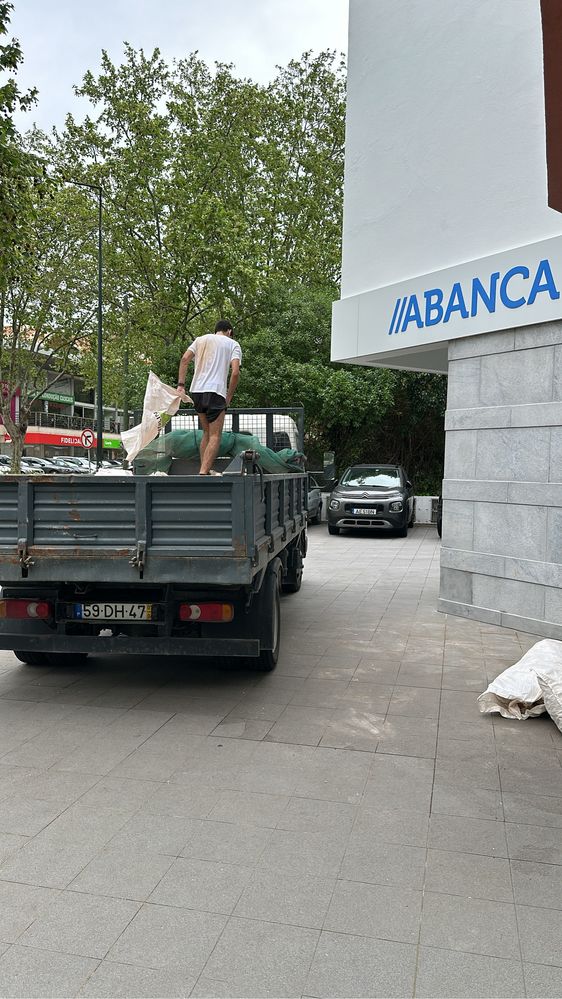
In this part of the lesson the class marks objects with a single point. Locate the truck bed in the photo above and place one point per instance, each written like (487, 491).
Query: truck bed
(179, 529)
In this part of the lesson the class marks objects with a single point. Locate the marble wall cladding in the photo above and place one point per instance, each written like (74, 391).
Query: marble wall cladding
(502, 506)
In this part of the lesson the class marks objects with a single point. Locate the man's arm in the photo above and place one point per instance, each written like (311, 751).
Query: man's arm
(234, 376)
(184, 364)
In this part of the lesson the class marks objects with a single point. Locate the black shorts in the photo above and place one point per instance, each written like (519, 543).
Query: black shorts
(209, 404)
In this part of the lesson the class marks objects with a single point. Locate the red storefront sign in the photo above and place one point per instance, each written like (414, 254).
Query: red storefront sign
(69, 438)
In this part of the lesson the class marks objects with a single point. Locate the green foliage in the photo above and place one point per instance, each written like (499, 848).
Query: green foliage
(362, 414)
(18, 167)
(212, 185)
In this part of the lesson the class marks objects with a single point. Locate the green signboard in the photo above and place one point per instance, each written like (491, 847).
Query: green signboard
(114, 442)
(58, 397)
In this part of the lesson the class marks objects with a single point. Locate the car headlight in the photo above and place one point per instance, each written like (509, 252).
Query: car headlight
(396, 507)
(334, 504)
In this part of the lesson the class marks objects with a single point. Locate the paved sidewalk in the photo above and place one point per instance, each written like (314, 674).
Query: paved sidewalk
(345, 826)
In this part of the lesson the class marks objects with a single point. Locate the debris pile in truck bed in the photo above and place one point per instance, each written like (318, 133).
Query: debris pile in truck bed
(159, 455)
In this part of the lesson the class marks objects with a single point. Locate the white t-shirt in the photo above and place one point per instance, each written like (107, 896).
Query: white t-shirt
(213, 355)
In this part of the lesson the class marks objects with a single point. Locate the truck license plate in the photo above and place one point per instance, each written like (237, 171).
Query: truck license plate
(113, 612)
(369, 511)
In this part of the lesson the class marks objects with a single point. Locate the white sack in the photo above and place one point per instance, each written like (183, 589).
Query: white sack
(530, 687)
(113, 471)
(159, 400)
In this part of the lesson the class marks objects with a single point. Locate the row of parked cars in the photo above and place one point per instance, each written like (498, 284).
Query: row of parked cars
(67, 465)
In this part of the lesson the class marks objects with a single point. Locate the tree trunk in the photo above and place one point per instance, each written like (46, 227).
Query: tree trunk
(17, 433)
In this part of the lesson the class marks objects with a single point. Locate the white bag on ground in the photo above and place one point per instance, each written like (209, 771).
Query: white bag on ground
(159, 400)
(530, 687)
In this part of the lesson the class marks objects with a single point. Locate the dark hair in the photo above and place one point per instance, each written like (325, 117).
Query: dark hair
(223, 326)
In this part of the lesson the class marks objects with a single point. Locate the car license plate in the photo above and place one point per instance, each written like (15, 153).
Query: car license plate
(113, 612)
(367, 510)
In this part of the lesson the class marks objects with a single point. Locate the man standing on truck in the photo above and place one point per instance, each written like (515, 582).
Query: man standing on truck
(215, 354)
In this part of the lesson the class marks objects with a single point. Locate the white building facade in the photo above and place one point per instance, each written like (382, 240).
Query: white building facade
(452, 262)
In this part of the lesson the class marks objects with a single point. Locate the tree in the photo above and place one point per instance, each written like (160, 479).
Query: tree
(18, 167)
(361, 414)
(47, 305)
(212, 185)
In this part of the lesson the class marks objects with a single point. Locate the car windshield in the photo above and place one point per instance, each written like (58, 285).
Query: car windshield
(379, 478)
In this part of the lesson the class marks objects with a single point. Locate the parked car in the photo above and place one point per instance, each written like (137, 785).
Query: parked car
(43, 465)
(26, 466)
(314, 501)
(376, 496)
(78, 462)
(69, 467)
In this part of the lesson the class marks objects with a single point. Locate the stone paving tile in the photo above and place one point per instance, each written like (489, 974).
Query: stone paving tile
(470, 924)
(540, 932)
(285, 955)
(385, 912)
(346, 965)
(205, 885)
(537, 884)
(484, 836)
(225, 842)
(542, 982)
(470, 802)
(19, 906)
(124, 981)
(526, 842)
(165, 937)
(468, 874)
(84, 925)
(445, 974)
(281, 897)
(122, 873)
(326, 796)
(38, 974)
(249, 807)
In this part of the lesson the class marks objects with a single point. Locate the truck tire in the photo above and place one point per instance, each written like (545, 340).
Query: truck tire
(31, 658)
(293, 580)
(270, 608)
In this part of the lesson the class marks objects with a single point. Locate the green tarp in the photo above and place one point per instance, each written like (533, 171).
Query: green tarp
(157, 456)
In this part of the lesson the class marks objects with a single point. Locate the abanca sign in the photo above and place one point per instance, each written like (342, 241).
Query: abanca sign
(514, 289)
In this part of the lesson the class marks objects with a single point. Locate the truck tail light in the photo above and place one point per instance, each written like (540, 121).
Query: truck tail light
(206, 612)
(24, 609)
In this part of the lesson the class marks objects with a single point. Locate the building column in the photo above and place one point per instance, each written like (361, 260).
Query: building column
(501, 557)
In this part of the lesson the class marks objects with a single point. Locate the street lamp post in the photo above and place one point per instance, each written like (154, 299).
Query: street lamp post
(99, 442)
(99, 390)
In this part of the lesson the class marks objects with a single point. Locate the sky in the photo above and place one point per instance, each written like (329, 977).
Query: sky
(61, 39)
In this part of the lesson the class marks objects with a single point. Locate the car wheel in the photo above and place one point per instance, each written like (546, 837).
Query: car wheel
(333, 530)
(412, 520)
(31, 658)
(402, 532)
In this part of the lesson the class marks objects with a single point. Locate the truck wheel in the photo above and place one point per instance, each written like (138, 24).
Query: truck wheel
(271, 606)
(31, 658)
(293, 580)
(333, 530)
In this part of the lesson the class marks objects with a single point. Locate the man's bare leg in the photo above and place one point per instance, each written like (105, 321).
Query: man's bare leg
(204, 425)
(212, 449)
